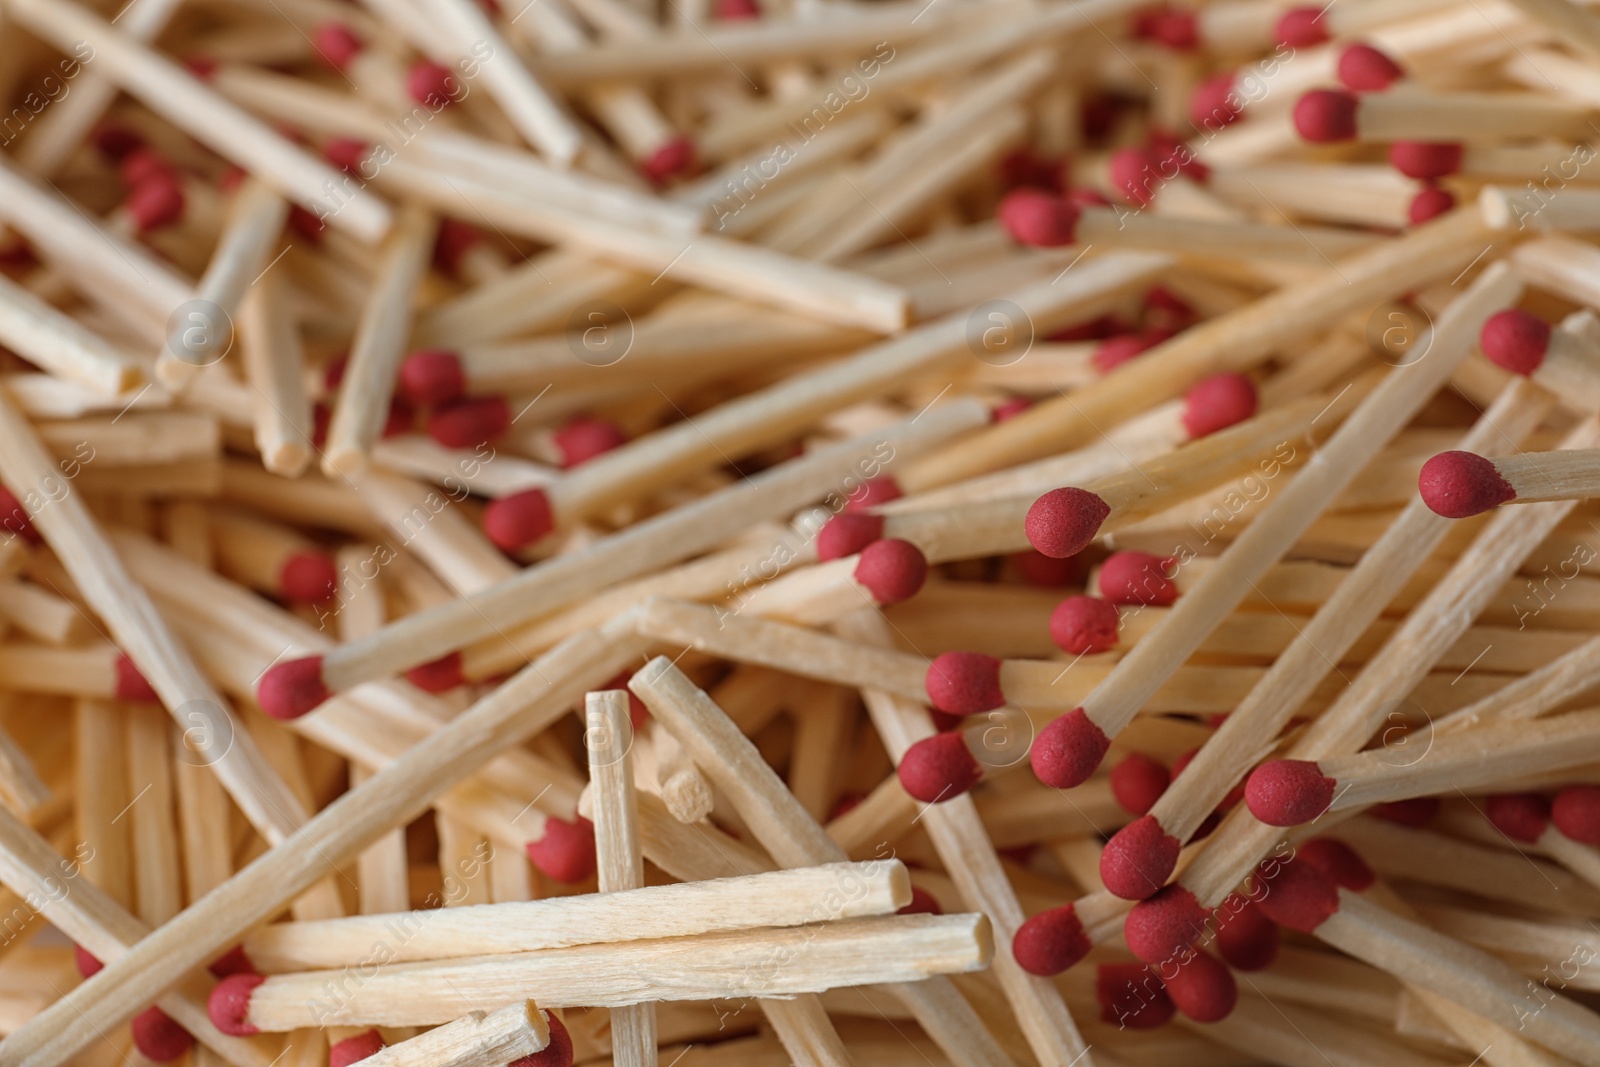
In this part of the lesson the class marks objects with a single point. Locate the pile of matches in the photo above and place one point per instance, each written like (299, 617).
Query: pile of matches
(729, 533)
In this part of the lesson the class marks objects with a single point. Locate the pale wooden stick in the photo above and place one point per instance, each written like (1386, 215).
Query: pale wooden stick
(501, 474)
(779, 898)
(378, 346)
(608, 740)
(1228, 342)
(1252, 241)
(20, 783)
(153, 835)
(477, 1039)
(43, 615)
(1361, 194)
(452, 546)
(532, 298)
(1571, 24)
(514, 711)
(243, 248)
(102, 795)
(964, 845)
(1414, 114)
(794, 838)
(61, 345)
(274, 363)
(1564, 265)
(668, 538)
(195, 108)
(135, 439)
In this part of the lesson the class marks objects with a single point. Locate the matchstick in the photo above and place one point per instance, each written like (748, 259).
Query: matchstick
(1461, 484)
(1327, 116)
(609, 739)
(1561, 359)
(477, 1039)
(274, 363)
(59, 344)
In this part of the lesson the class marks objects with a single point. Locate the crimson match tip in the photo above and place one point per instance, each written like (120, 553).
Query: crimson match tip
(1365, 69)
(439, 676)
(566, 852)
(155, 202)
(1515, 340)
(1429, 204)
(1063, 522)
(1113, 352)
(1217, 402)
(1302, 27)
(1520, 816)
(558, 1053)
(1576, 813)
(355, 1049)
(1326, 116)
(586, 437)
(1038, 218)
(336, 44)
(1288, 792)
(1295, 894)
(891, 570)
(229, 1004)
(922, 903)
(1458, 485)
(1082, 625)
(1213, 105)
(1137, 861)
(1131, 995)
(432, 376)
(308, 577)
(517, 521)
(1172, 27)
(1203, 988)
(88, 966)
(938, 768)
(1425, 160)
(1067, 751)
(847, 534)
(1134, 577)
(1167, 923)
(469, 421)
(1050, 942)
(1246, 939)
(432, 84)
(1137, 782)
(872, 492)
(674, 157)
(131, 684)
(290, 689)
(964, 683)
(158, 1038)
(1338, 862)
(1413, 812)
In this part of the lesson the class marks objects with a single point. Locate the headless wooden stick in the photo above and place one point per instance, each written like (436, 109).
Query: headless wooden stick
(59, 344)
(477, 1039)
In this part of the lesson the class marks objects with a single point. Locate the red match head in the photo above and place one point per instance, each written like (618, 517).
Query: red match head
(1036, 568)
(229, 1004)
(585, 437)
(1461, 484)
(400, 419)
(131, 685)
(1131, 995)
(355, 1049)
(964, 683)
(1429, 204)
(432, 84)
(558, 1053)
(922, 903)
(115, 142)
(336, 44)
(1163, 926)
(290, 689)
(566, 851)
(1295, 894)
(1520, 816)
(1037, 218)
(1137, 782)
(155, 202)
(1302, 27)
(1050, 942)
(1176, 28)
(233, 961)
(469, 422)
(848, 533)
(1113, 352)
(455, 239)
(346, 153)
(1326, 116)
(939, 768)
(431, 376)
(674, 157)
(1067, 751)
(158, 1038)
(891, 570)
(737, 10)
(514, 522)
(1365, 69)
(1010, 409)
(1515, 341)
(1132, 173)
(1246, 938)
(1415, 812)
(1202, 987)
(872, 492)
(14, 518)
(1081, 625)
(1338, 862)
(1576, 813)
(1288, 792)
(308, 577)
(1063, 522)
(1133, 577)
(1217, 402)
(1213, 105)
(1137, 860)
(1425, 160)
(438, 676)
(88, 966)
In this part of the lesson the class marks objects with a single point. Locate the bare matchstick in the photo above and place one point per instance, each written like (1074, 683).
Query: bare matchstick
(59, 344)
(477, 1039)
(274, 362)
